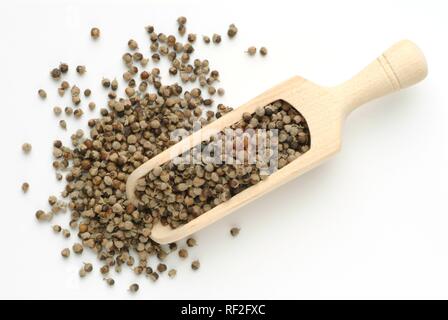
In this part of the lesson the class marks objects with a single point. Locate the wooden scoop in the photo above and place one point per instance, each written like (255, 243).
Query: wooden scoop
(323, 108)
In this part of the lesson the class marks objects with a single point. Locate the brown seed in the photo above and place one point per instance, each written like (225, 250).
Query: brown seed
(263, 51)
(172, 273)
(63, 124)
(65, 233)
(82, 273)
(133, 288)
(183, 253)
(181, 20)
(87, 92)
(232, 31)
(132, 44)
(81, 70)
(42, 93)
(234, 231)
(161, 267)
(221, 91)
(63, 67)
(95, 33)
(65, 252)
(57, 111)
(77, 248)
(56, 228)
(191, 38)
(110, 282)
(195, 265)
(88, 267)
(55, 73)
(206, 39)
(26, 147)
(191, 242)
(25, 187)
(92, 105)
(104, 269)
(216, 38)
(251, 51)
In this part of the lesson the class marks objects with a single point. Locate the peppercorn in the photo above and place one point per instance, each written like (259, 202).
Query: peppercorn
(206, 39)
(88, 267)
(216, 38)
(132, 44)
(161, 267)
(56, 228)
(110, 282)
(105, 83)
(77, 248)
(172, 273)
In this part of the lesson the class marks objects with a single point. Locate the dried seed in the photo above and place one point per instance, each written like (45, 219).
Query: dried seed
(42, 93)
(183, 253)
(77, 248)
(95, 33)
(65, 252)
(132, 44)
(55, 73)
(57, 111)
(234, 231)
(216, 38)
(87, 92)
(133, 288)
(65, 233)
(26, 147)
(56, 228)
(105, 83)
(195, 265)
(221, 91)
(63, 124)
(92, 105)
(232, 31)
(110, 282)
(263, 51)
(251, 51)
(63, 67)
(191, 242)
(88, 267)
(172, 273)
(81, 70)
(82, 272)
(191, 37)
(182, 20)
(206, 39)
(25, 187)
(161, 267)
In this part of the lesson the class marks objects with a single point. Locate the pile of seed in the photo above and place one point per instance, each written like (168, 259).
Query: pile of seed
(132, 128)
(176, 193)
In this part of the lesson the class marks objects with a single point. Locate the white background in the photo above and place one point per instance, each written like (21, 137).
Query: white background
(370, 223)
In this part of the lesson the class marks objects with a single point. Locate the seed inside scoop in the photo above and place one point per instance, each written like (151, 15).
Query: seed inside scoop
(230, 162)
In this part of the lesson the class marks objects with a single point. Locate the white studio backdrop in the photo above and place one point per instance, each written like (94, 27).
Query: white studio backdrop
(369, 223)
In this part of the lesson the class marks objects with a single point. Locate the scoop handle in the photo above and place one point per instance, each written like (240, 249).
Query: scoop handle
(399, 67)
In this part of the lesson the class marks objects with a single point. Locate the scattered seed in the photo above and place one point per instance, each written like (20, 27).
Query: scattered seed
(133, 288)
(88, 267)
(81, 70)
(63, 67)
(56, 228)
(95, 33)
(191, 242)
(65, 233)
(42, 93)
(55, 73)
(221, 91)
(195, 265)
(172, 273)
(57, 111)
(87, 92)
(206, 39)
(110, 282)
(63, 124)
(263, 51)
(216, 38)
(251, 51)
(183, 253)
(77, 248)
(234, 231)
(65, 252)
(161, 267)
(25, 187)
(92, 106)
(26, 147)
(232, 31)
